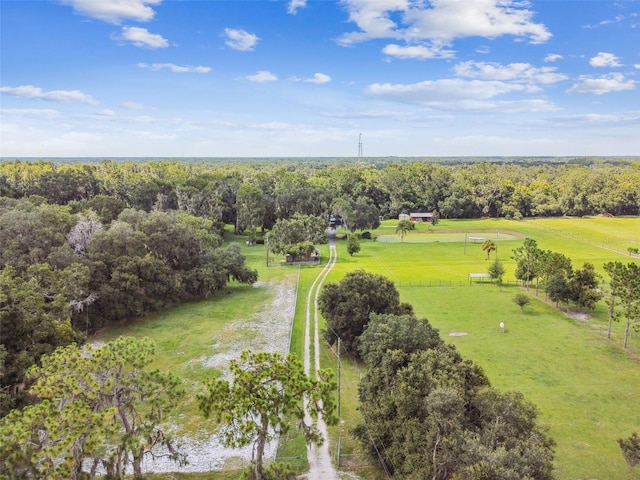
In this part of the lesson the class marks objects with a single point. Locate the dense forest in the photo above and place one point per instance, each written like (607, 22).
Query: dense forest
(88, 244)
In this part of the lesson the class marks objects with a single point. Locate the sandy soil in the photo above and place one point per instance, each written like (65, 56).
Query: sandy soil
(273, 325)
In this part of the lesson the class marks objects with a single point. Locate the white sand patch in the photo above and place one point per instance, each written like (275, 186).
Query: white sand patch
(458, 334)
(267, 331)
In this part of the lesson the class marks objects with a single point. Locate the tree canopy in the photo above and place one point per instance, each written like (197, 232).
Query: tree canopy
(347, 305)
(428, 413)
(266, 392)
(99, 407)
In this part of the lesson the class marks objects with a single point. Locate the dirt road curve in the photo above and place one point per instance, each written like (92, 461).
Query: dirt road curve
(320, 466)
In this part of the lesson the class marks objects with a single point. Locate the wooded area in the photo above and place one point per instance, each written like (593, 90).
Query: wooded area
(88, 245)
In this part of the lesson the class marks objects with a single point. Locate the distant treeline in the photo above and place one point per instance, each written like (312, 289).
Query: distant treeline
(455, 187)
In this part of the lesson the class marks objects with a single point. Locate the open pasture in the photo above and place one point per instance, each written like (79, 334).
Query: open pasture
(585, 386)
(436, 236)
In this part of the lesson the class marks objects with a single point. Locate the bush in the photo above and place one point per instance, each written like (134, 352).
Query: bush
(366, 235)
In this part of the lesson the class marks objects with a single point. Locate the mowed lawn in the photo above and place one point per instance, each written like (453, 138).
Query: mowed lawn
(586, 387)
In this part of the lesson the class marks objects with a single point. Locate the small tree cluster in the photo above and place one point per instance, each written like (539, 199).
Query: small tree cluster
(347, 305)
(297, 236)
(562, 283)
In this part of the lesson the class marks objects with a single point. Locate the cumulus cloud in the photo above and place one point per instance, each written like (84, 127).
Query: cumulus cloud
(115, 11)
(614, 82)
(441, 21)
(141, 37)
(240, 39)
(604, 59)
(65, 96)
(518, 72)
(419, 52)
(318, 78)
(295, 5)
(262, 76)
(553, 57)
(175, 68)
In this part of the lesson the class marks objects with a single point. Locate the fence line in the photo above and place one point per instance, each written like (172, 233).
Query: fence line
(578, 238)
(450, 283)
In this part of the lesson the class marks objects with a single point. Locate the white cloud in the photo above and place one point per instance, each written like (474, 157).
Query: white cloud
(636, 66)
(45, 113)
(495, 106)
(441, 21)
(106, 113)
(132, 105)
(262, 76)
(318, 78)
(420, 52)
(604, 59)
(553, 57)
(240, 39)
(141, 37)
(114, 11)
(483, 49)
(295, 5)
(519, 72)
(175, 68)
(598, 119)
(65, 96)
(614, 82)
(437, 90)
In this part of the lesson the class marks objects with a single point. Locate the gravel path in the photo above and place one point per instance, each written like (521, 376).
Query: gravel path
(320, 466)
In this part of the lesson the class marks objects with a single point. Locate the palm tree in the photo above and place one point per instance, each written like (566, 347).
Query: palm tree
(404, 226)
(489, 246)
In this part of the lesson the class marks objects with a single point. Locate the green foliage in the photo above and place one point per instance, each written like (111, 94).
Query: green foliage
(624, 291)
(250, 208)
(404, 227)
(287, 235)
(99, 406)
(584, 287)
(353, 245)
(346, 305)
(528, 258)
(406, 333)
(496, 270)
(522, 300)
(35, 318)
(267, 391)
(431, 414)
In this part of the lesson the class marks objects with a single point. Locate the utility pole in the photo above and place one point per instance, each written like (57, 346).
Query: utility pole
(339, 378)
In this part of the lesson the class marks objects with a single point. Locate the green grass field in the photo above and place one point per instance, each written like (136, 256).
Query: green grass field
(586, 387)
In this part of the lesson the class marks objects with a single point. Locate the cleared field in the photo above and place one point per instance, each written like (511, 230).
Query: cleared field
(586, 387)
(470, 238)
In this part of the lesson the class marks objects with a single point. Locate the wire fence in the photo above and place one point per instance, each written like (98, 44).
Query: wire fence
(610, 244)
(453, 283)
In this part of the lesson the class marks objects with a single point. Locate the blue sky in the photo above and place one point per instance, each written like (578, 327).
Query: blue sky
(168, 78)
